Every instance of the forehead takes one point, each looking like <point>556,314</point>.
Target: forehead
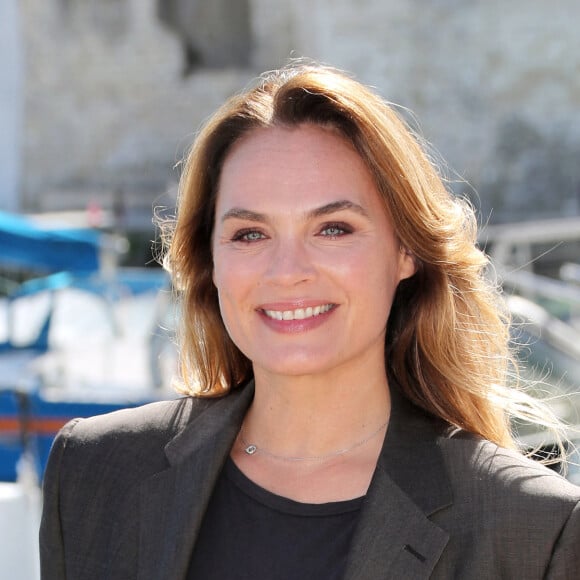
<point>302,166</point>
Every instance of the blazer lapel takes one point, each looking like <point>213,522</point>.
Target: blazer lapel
<point>395,537</point>
<point>173,502</point>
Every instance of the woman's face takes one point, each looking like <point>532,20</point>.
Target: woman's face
<point>306,261</point>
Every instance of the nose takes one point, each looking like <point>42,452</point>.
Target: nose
<point>289,263</point>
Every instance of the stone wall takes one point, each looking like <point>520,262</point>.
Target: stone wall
<point>495,86</point>
<point>112,100</point>
<point>107,107</point>
<point>11,109</point>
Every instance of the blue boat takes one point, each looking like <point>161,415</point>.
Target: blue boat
<point>75,342</point>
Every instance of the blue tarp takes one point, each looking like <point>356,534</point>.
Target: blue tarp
<point>24,245</point>
<point>125,281</point>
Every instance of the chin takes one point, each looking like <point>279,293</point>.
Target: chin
<point>297,365</point>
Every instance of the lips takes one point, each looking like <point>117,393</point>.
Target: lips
<point>298,313</point>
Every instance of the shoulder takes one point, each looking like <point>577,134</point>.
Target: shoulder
<point>508,493</point>
<point>152,424</point>
<point>92,482</point>
<point>153,421</point>
<point>134,437</point>
<point>161,419</point>
<point>145,433</point>
<point>505,470</point>
<point>507,510</point>
<point>477,473</point>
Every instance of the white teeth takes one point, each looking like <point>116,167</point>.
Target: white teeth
<point>299,313</point>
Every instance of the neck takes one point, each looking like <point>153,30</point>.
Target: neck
<point>314,416</point>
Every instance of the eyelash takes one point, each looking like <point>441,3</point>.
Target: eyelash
<point>242,236</point>
<point>344,229</point>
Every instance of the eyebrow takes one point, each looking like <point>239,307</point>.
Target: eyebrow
<point>329,208</point>
<point>335,206</point>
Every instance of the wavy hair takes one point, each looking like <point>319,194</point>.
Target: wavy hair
<point>447,344</point>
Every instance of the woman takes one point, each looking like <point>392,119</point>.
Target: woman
<point>344,359</point>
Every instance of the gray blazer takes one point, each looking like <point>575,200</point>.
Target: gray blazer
<point>125,495</point>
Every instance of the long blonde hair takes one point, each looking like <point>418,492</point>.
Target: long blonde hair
<point>447,335</point>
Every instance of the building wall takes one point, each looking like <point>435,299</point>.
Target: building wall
<point>114,95</point>
<point>10,105</point>
<point>107,107</point>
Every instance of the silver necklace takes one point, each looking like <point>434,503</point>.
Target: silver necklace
<point>252,448</point>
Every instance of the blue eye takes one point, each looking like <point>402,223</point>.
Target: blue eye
<point>248,236</point>
<point>335,230</point>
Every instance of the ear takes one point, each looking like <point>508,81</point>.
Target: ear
<point>407,264</point>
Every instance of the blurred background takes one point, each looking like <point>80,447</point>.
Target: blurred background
<point>99,101</point>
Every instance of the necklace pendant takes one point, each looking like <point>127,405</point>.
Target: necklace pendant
<point>251,449</point>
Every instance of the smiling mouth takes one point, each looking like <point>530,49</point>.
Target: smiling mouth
<point>299,313</point>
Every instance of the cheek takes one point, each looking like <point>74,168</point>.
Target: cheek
<point>229,313</point>
<point>223,287</point>
<point>228,276</point>
<point>232,285</point>
<point>381,280</point>
<point>222,266</point>
<point>220,281</point>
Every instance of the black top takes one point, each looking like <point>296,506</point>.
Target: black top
<point>251,533</point>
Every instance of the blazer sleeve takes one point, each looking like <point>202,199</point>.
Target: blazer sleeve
<point>565,562</point>
<point>52,556</point>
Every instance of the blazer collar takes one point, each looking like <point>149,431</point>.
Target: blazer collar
<point>394,537</point>
<point>173,502</point>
